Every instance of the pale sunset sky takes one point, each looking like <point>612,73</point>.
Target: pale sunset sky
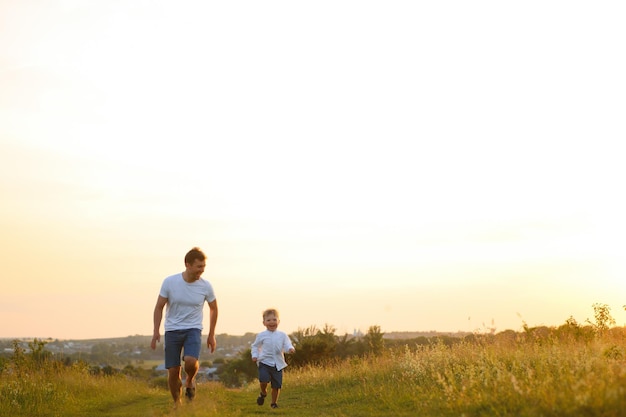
<point>416,165</point>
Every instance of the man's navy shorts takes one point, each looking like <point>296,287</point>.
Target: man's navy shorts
<point>177,341</point>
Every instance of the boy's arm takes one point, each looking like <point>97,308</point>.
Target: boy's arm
<point>288,345</point>
<point>254,348</point>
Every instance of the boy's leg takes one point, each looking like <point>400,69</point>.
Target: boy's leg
<point>277,383</point>
<point>261,398</point>
<point>264,378</point>
<point>275,394</point>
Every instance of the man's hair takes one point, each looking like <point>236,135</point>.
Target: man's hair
<point>270,311</point>
<point>194,254</point>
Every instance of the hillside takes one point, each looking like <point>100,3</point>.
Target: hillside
<point>567,372</point>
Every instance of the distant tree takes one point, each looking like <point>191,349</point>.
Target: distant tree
<point>38,352</point>
<point>104,353</point>
<point>19,354</point>
<point>108,370</point>
<point>313,346</point>
<point>67,361</point>
<point>238,371</point>
<point>506,337</point>
<point>603,318</point>
<point>374,340</point>
<point>130,370</point>
<point>348,346</point>
<point>3,365</point>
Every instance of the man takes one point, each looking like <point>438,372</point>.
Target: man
<point>184,294</point>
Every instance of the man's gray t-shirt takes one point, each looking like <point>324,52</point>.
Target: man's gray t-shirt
<point>185,302</point>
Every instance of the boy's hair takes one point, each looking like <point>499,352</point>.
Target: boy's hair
<point>193,254</point>
<point>270,311</point>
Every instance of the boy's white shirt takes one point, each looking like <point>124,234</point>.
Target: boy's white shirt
<point>269,348</point>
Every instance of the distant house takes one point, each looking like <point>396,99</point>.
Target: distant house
<point>209,374</point>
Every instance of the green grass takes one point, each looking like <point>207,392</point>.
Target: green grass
<point>523,377</point>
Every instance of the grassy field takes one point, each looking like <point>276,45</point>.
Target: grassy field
<point>513,375</point>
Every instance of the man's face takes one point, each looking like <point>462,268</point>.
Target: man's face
<point>195,270</point>
<point>271,322</point>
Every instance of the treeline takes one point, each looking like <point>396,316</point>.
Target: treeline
<point>313,347</point>
<point>318,346</point>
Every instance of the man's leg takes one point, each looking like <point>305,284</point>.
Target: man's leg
<point>191,369</point>
<point>193,344</point>
<point>173,349</point>
<point>175,383</point>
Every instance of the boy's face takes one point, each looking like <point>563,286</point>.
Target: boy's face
<point>271,322</point>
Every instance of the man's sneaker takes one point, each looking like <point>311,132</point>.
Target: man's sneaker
<point>190,393</point>
<point>261,399</point>
<point>274,405</point>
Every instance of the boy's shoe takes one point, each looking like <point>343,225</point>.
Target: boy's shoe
<point>274,405</point>
<point>190,393</point>
<point>261,399</point>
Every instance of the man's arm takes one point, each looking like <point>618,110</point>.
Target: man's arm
<point>158,315</point>
<point>210,341</point>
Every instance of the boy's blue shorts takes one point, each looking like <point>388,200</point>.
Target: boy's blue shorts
<point>177,341</point>
<point>271,374</point>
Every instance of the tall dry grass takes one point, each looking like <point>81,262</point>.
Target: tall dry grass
<point>48,388</point>
<point>529,374</point>
<point>521,375</point>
